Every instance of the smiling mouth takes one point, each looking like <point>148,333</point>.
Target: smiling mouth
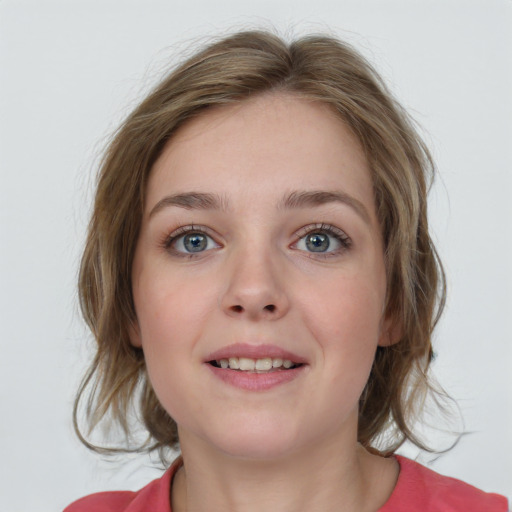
<point>263,365</point>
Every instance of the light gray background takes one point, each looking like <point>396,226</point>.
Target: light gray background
<point>69,72</point>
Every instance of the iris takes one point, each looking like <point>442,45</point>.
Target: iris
<point>317,242</point>
<point>195,242</point>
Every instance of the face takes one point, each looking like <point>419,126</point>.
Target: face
<point>259,278</point>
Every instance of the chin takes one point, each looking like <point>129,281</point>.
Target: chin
<point>256,449</point>
<point>257,440</point>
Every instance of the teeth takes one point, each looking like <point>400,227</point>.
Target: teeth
<point>264,364</point>
<point>277,362</point>
<point>247,364</point>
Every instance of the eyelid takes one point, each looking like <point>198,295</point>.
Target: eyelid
<point>169,238</point>
<point>344,240</point>
<point>329,229</point>
<point>176,234</point>
<point>321,226</point>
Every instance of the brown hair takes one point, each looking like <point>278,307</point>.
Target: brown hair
<point>321,69</point>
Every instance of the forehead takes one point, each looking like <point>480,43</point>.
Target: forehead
<point>271,144</point>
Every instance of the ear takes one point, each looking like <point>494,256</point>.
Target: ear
<point>391,331</point>
<point>134,333</point>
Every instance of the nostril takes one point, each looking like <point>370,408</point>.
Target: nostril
<point>237,308</point>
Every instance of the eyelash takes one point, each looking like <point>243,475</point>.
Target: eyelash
<point>322,228</point>
<point>172,238</point>
<point>328,229</point>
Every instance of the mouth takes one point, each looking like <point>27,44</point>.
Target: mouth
<point>255,367</point>
<point>260,365</point>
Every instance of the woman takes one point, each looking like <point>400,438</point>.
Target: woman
<point>260,278</point>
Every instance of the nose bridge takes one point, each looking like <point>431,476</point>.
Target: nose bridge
<point>254,286</point>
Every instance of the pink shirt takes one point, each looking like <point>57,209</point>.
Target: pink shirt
<point>418,489</point>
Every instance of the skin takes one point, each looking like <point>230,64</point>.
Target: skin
<point>294,446</point>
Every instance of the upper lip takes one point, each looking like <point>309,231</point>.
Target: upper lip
<point>254,352</point>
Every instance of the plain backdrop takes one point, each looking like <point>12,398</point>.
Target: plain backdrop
<point>71,70</point>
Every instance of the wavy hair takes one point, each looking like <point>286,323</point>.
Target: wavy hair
<point>231,70</point>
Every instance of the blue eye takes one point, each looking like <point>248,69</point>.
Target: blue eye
<point>317,242</point>
<point>322,239</point>
<point>191,242</point>
<point>195,242</point>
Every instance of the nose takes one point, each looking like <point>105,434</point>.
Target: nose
<point>255,288</point>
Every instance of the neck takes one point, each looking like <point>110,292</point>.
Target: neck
<point>331,477</point>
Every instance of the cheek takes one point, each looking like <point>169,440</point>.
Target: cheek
<point>346,320</point>
<point>347,305</point>
<point>166,331</point>
<point>169,308</point>
<point>171,316</point>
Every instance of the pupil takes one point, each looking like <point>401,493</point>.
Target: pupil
<point>317,242</point>
<point>194,242</point>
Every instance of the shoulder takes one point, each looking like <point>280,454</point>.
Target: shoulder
<point>103,502</point>
<point>421,489</point>
<point>155,497</point>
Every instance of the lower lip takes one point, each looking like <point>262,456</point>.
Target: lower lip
<point>256,381</point>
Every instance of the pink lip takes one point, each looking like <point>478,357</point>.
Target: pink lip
<point>253,381</point>
<point>254,352</point>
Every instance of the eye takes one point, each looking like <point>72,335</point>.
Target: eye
<point>190,240</point>
<point>323,239</point>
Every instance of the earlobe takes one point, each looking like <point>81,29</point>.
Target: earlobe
<point>134,333</point>
<point>391,332</point>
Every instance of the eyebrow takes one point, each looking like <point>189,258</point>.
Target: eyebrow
<point>293,200</point>
<point>191,201</point>
<point>307,198</point>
